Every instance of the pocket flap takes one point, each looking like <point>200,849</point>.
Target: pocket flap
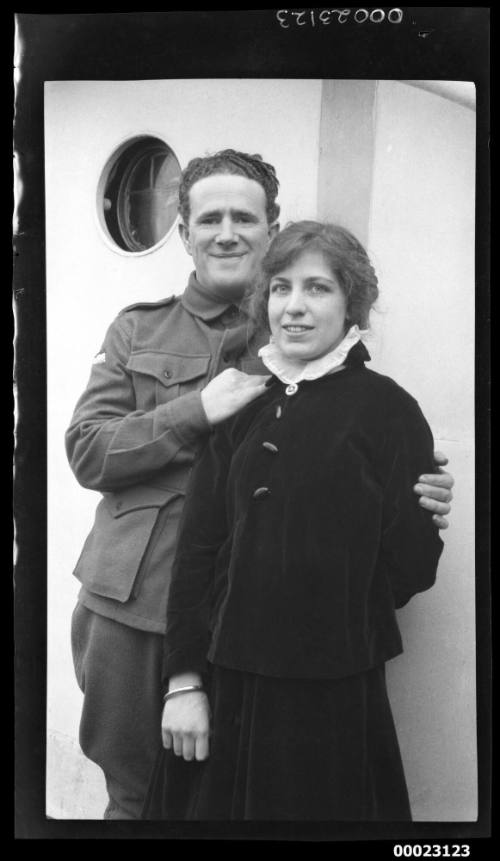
<point>137,497</point>
<point>169,368</point>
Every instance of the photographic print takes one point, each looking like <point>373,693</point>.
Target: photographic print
<point>259,287</point>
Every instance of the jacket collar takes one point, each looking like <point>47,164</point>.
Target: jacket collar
<point>357,355</point>
<point>201,302</point>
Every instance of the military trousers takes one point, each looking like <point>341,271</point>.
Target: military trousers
<point>118,668</point>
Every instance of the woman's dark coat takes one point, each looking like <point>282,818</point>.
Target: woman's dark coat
<point>302,533</point>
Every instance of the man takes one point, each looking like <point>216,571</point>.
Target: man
<point>167,373</point>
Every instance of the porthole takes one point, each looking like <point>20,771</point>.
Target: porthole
<point>138,194</point>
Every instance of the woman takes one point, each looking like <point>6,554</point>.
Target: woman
<point>300,538</point>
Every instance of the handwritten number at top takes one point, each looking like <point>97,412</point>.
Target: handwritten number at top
<point>311,17</point>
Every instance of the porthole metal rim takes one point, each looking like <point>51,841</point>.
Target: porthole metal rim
<point>109,163</point>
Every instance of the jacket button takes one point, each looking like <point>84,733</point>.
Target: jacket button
<point>167,374</point>
<point>270,447</point>
<point>278,412</point>
<point>261,491</point>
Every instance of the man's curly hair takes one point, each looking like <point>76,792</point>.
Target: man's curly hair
<point>230,161</point>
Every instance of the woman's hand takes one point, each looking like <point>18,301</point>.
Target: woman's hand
<point>435,491</point>
<point>185,725</point>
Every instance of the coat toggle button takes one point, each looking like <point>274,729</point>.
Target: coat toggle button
<point>271,447</point>
<point>291,389</point>
<point>261,491</point>
<point>167,374</point>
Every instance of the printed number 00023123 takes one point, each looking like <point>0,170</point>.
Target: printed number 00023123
<point>434,850</point>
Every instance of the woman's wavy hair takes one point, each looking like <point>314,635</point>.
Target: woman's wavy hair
<point>230,161</point>
<point>348,260</point>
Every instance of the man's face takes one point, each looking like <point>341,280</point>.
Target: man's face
<point>228,233</point>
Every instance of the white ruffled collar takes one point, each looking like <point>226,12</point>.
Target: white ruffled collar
<point>292,371</point>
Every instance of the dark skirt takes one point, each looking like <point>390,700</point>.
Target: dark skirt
<point>288,749</point>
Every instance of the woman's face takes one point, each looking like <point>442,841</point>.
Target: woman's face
<point>307,308</point>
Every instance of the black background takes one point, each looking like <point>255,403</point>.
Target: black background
<point>433,43</point>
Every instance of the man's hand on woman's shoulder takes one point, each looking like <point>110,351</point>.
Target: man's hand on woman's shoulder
<point>229,392</point>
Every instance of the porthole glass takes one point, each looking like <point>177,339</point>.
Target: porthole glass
<point>140,194</point>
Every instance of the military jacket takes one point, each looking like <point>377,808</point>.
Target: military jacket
<point>134,436</point>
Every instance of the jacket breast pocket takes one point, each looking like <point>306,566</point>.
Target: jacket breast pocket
<point>115,548</point>
<point>160,377</point>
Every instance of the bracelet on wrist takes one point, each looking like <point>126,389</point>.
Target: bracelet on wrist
<point>184,690</point>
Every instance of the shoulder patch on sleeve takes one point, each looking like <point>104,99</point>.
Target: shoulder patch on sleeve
<point>151,305</point>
